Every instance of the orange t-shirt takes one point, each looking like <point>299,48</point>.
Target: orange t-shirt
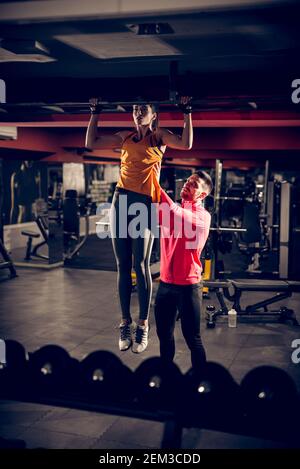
<point>140,166</point>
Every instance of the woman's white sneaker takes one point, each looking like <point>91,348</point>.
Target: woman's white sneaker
<point>141,339</point>
<point>127,330</point>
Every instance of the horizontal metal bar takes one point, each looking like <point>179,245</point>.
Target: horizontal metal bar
<point>229,229</point>
<point>195,102</point>
<point>230,198</point>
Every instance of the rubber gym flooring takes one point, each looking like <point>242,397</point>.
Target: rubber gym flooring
<point>78,309</point>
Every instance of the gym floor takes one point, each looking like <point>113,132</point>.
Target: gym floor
<point>78,309</point>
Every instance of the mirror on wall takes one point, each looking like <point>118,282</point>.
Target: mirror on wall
<point>28,230</point>
<point>1,200</point>
<point>25,190</point>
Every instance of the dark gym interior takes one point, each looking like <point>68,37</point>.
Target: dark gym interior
<point>238,60</point>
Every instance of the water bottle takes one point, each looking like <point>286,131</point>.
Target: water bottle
<point>232,317</point>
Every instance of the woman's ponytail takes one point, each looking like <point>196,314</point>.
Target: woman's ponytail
<point>155,123</point>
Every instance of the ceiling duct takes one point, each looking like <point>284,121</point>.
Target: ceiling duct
<point>8,133</point>
<point>118,45</point>
<point>24,50</point>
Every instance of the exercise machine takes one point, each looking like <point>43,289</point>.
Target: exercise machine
<point>283,224</point>
<point>71,225</point>
<point>32,252</point>
<point>7,262</point>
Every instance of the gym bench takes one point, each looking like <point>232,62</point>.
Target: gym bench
<point>282,290</point>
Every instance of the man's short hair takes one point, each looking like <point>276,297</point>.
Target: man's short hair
<point>205,177</point>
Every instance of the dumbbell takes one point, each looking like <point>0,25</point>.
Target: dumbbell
<point>51,370</point>
<point>269,396</point>
<point>210,395</point>
<point>158,385</point>
<point>103,377</point>
<point>14,367</point>
<point>210,316</point>
<point>15,354</point>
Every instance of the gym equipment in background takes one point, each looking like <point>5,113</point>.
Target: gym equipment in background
<point>7,262</point>
<point>71,225</point>
<point>285,212</point>
<point>238,209</point>
<point>258,311</point>
<point>269,213</point>
<point>31,252</point>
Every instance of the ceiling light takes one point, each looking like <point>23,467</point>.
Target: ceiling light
<point>147,29</point>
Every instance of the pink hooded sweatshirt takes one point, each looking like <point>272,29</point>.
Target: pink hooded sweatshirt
<point>184,231</point>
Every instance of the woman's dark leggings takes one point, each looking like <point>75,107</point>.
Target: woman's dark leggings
<point>186,299</point>
<point>126,246</point>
